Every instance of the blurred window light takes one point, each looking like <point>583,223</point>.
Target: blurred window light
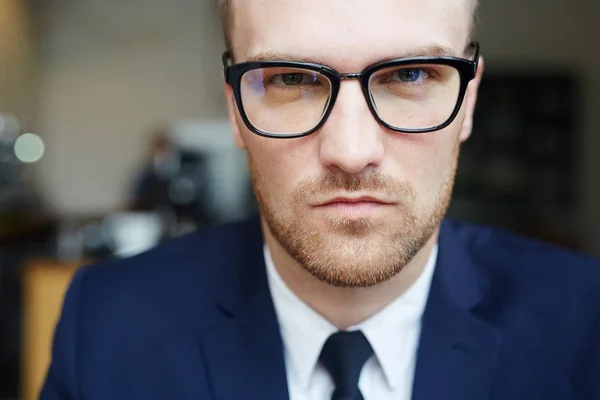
<point>29,148</point>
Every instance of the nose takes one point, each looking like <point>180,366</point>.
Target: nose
<point>351,140</point>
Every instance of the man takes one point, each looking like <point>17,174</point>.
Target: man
<point>350,285</point>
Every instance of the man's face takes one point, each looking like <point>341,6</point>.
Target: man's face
<point>354,202</point>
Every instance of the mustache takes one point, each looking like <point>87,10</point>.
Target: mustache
<point>372,181</point>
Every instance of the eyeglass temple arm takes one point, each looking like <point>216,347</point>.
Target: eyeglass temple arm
<point>473,49</point>
<point>226,58</point>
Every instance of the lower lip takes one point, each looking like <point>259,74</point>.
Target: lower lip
<point>359,209</point>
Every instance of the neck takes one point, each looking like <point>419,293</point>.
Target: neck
<point>345,307</point>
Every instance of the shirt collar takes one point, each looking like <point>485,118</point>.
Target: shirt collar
<point>304,331</point>
<point>394,331</point>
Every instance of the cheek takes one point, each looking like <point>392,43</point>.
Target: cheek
<point>426,161</point>
<point>279,165</point>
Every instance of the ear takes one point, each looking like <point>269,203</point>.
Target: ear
<point>470,101</point>
<point>233,117</point>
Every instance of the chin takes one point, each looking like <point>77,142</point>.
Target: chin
<point>361,228</point>
<point>354,263</point>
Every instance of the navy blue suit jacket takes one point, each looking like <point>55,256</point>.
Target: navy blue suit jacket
<point>507,319</point>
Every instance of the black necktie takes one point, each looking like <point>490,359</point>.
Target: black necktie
<point>344,355</point>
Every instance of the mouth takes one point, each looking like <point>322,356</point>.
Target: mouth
<point>355,207</point>
<point>342,200</point>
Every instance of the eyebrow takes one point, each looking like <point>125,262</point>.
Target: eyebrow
<point>275,56</point>
<point>434,50</point>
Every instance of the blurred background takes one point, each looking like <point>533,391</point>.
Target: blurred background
<point>113,138</point>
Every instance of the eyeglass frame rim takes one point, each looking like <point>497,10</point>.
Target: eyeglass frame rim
<point>467,69</point>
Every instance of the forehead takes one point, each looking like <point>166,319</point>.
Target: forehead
<point>348,33</point>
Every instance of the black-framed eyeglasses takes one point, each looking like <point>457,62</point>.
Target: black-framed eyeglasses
<point>284,99</point>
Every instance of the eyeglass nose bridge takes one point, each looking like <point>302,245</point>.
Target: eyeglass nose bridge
<point>344,77</point>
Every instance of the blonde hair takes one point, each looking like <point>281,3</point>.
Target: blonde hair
<point>226,15</point>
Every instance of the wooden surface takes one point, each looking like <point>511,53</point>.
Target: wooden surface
<point>45,283</point>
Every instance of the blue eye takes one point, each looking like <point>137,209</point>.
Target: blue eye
<point>410,75</point>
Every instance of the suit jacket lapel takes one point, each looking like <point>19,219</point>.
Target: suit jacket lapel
<point>458,352</point>
<point>243,346</point>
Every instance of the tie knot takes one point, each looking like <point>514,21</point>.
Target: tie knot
<point>344,355</point>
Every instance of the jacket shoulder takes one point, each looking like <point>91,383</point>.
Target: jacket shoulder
<point>543,297</point>
<point>183,271</point>
<point>523,257</point>
<point>533,286</point>
<point>529,278</point>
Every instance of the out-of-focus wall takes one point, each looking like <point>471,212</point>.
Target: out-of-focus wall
<point>556,33</point>
<point>111,70</point>
<point>102,88</point>
<point>17,61</point>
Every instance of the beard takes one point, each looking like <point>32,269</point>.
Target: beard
<point>351,252</point>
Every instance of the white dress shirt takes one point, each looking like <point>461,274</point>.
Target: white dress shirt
<point>393,333</point>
